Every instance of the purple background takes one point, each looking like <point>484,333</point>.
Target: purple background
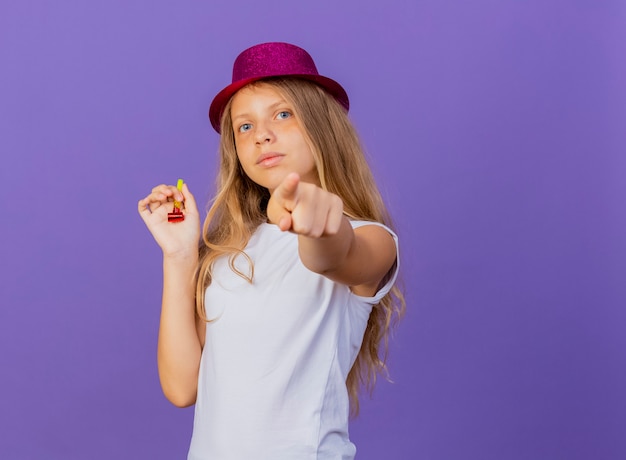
<point>496,130</point>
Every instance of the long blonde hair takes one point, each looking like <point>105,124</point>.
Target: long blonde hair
<point>239,208</point>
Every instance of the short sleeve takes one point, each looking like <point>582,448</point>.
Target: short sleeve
<point>383,291</point>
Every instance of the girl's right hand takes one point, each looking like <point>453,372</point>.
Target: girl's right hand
<point>174,238</point>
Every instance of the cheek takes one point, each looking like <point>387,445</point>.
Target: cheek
<point>240,157</point>
<point>242,149</point>
<point>243,163</point>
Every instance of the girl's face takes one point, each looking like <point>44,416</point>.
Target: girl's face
<point>269,140</point>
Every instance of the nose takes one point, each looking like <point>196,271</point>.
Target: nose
<point>264,134</point>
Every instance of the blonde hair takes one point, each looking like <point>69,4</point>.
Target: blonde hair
<point>239,208</point>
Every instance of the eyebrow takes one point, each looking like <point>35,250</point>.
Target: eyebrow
<point>269,109</point>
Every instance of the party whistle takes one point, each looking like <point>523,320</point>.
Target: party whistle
<point>176,215</point>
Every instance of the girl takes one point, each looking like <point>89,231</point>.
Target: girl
<point>274,323</point>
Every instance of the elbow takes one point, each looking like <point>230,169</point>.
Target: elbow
<point>179,398</point>
<point>179,387</point>
<point>181,404</point>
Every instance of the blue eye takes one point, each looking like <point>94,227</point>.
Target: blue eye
<point>245,127</point>
<point>283,115</point>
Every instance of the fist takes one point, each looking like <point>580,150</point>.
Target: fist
<point>305,209</point>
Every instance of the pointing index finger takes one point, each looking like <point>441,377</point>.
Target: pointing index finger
<point>288,188</point>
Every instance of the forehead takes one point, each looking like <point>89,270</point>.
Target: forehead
<point>257,93</point>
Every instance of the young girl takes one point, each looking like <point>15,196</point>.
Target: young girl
<point>271,327</point>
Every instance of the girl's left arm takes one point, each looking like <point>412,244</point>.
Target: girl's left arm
<point>328,245</point>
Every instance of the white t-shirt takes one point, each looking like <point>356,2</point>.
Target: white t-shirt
<point>276,357</point>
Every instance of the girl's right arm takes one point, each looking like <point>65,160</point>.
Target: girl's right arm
<point>181,334</point>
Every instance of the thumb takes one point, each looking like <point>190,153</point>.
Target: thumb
<point>190,201</point>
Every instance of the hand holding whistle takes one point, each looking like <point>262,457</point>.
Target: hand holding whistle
<point>177,215</point>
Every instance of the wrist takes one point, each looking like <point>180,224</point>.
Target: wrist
<point>181,257</point>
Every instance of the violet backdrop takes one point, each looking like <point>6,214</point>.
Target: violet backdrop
<point>496,130</point>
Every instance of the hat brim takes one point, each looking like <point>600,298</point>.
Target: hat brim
<point>216,109</point>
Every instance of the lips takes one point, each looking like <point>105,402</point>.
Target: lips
<point>269,159</point>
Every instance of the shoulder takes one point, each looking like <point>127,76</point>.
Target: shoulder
<point>375,254</point>
<point>377,227</point>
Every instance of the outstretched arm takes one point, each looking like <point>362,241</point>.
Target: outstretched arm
<point>327,243</point>
<point>180,334</point>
